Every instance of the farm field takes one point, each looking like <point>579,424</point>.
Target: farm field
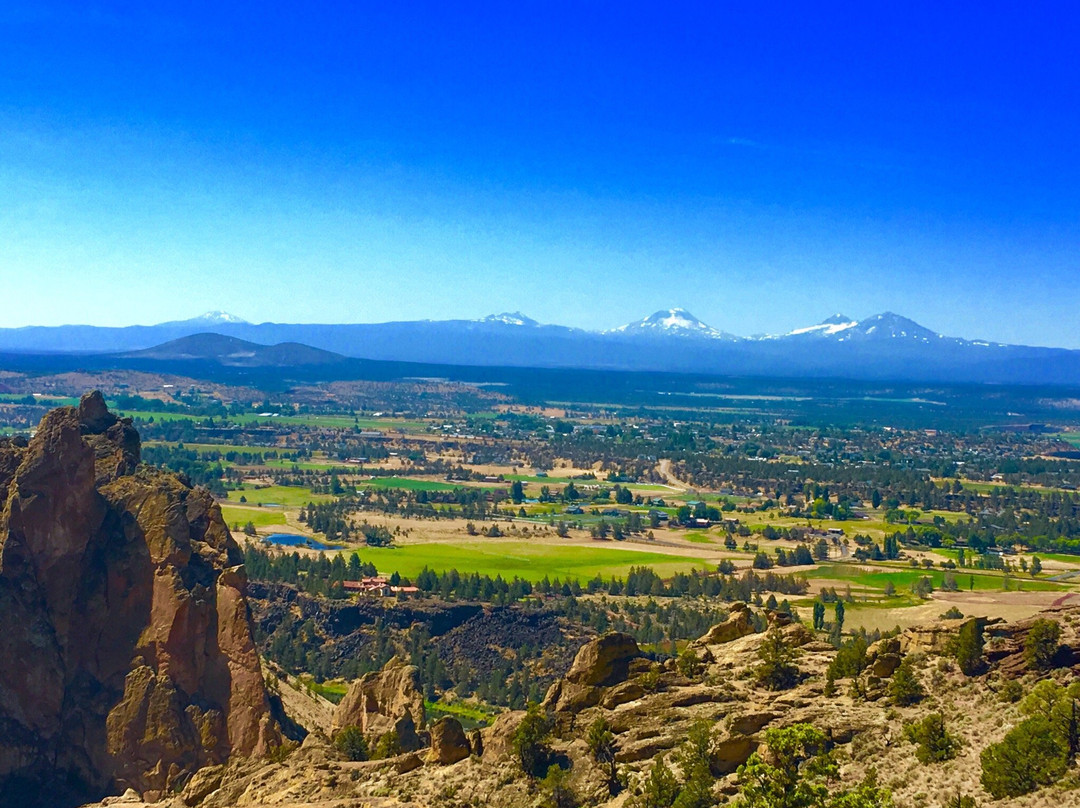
<point>260,517</point>
<point>280,496</point>
<point>528,560</point>
<point>408,484</point>
<point>876,577</point>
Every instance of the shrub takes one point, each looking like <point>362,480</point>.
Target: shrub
<point>1041,643</point>
<point>1029,756</point>
<point>661,788</point>
<point>935,744</point>
<point>968,647</point>
<point>777,670</point>
<point>695,760</point>
<point>350,741</point>
<point>952,613</point>
<point>904,688</point>
<point>388,745</point>
<point>688,663</point>
<point>1011,691</point>
<point>601,742</point>
<point>530,741</point>
<point>556,786</point>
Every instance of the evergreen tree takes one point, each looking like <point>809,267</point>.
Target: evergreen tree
<point>968,647</point>
<point>904,687</point>
<point>1041,643</point>
<point>777,670</point>
<point>661,788</point>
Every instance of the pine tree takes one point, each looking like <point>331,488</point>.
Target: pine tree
<point>904,688</point>
<point>968,647</point>
<point>777,670</point>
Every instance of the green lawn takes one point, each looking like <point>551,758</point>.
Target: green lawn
<point>902,579</point>
<point>260,517</point>
<point>278,496</point>
<point>408,484</point>
<point>698,537</point>
<point>523,559</point>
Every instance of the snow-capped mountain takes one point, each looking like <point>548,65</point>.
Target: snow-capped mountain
<point>670,322</point>
<point>209,318</point>
<point>828,327</point>
<point>884,346</point>
<point>887,325</point>
<point>510,318</point>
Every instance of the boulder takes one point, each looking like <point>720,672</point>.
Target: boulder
<point>622,693</point>
<point>123,596</point>
<point>498,740</point>
<point>730,753</point>
<point>935,637</point>
<point>448,742</point>
<point>885,665</point>
<point>601,663</point>
<point>385,701</point>
<point>749,723</point>
<point>738,624</point>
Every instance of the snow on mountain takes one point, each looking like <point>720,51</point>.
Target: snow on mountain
<point>212,318</point>
<point>878,327</point>
<point>671,322</point>
<point>893,326</point>
<point>836,324</point>
<point>510,318</point>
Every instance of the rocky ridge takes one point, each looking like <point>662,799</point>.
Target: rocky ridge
<point>650,707</point>
<point>122,600</point>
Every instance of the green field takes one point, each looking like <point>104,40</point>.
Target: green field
<point>260,517</point>
<point>697,537</point>
<point>278,496</point>
<point>902,579</point>
<point>324,421</point>
<point>523,559</point>
<point>408,484</point>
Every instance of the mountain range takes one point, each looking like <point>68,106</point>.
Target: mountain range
<point>882,346</point>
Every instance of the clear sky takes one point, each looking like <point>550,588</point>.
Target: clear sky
<point>586,163</point>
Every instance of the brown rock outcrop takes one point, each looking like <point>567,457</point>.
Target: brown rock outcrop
<point>600,663</point>
<point>384,701</point>
<point>122,599</point>
<point>935,637</point>
<point>448,742</point>
<point>498,739</point>
<point>738,624</point>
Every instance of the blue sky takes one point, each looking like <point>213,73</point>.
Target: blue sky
<point>761,165</point>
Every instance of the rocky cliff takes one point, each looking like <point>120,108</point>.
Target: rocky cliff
<point>126,642</point>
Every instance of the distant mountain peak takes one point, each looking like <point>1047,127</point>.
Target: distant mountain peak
<point>828,327</point>
<point>211,318</point>
<point>671,322</point>
<point>886,325</point>
<point>510,318</point>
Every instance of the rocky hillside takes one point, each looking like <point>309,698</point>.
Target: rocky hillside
<point>126,641</point>
<point>857,722</point>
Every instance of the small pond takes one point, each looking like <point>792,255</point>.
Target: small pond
<point>294,540</point>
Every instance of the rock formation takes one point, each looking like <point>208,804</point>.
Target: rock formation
<point>601,663</point>
<point>384,701</point>
<point>448,742</point>
<point>738,624</point>
<point>127,644</point>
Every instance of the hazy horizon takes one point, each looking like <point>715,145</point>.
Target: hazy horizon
<point>586,166</point>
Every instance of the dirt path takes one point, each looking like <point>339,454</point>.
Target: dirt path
<point>664,469</point>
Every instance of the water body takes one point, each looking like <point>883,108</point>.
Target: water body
<point>294,540</point>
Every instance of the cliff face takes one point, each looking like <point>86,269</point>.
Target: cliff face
<point>126,651</point>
